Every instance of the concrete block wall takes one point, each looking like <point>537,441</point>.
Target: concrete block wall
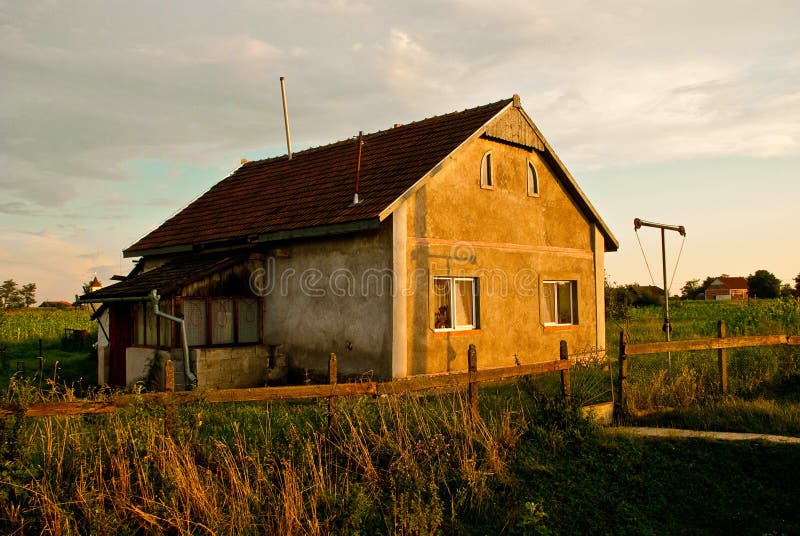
<point>230,367</point>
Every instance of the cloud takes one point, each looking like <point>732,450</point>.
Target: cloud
<point>90,88</point>
<point>229,49</point>
<point>57,265</point>
<point>15,208</point>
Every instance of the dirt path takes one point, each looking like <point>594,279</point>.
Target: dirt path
<point>677,433</point>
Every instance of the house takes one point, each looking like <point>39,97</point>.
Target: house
<point>395,250</point>
<point>727,288</point>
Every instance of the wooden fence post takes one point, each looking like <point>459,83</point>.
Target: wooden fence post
<point>472,362</point>
<point>623,375</point>
<point>332,378</point>
<point>563,356</point>
<point>169,387</point>
<point>722,360</point>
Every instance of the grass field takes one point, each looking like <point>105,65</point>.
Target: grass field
<point>397,465</point>
<point>416,465</point>
<point>64,362</point>
<point>684,391</point>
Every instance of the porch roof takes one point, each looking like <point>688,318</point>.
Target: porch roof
<point>168,278</point>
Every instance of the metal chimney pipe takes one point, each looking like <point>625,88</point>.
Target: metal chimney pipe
<point>286,119</point>
<point>358,166</point>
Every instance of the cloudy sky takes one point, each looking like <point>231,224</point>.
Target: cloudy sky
<point>115,115</point>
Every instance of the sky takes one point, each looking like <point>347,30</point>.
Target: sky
<point>115,115</point>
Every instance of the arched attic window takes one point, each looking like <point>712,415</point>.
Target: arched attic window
<point>487,177</point>
<point>533,181</point>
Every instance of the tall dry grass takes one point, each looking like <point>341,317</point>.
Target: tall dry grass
<point>396,465</point>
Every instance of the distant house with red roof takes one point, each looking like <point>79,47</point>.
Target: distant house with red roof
<point>395,250</point>
<point>727,288</point>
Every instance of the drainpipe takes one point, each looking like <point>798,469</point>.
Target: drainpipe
<point>191,376</point>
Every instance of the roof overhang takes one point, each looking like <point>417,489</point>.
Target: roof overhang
<point>277,236</point>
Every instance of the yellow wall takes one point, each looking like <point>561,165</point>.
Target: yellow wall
<point>512,242</point>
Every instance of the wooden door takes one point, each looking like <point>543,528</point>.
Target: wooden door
<point>119,327</point>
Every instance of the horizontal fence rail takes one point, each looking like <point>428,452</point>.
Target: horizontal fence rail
<point>721,343</point>
<point>170,398</point>
<point>708,344</point>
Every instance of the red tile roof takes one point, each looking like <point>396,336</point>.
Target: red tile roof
<point>316,186</point>
<point>169,277</point>
<point>734,282</point>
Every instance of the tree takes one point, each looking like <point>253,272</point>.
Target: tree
<point>763,284</point>
<point>28,294</point>
<point>797,286</point>
<point>786,291</point>
<point>9,293</point>
<point>12,297</point>
<point>691,289</point>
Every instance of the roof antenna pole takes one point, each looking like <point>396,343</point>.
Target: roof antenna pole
<point>286,119</point>
<point>667,327</point>
<point>358,165</point>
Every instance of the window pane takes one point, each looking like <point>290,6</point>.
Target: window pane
<point>247,311</point>
<point>564,302</point>
<point>464,309</point>
<point>533,181</point>
<point>165,329</point>
<point>221,321</point>
<point>549,303</point>
<point>150,325</point>
<point>194,313</point>
<point>486,170</point>
<point>138,323</point>
<point>442,303</point>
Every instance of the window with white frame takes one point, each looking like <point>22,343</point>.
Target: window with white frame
<point>487,178</point>
<point>455,303</point>
<point>560,303</point>
<point>533,181</point>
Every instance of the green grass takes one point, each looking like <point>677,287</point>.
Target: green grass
<point>764,382</point>
<point>416,464</point>
<point>76,368</point>
<point>64,363</point>
<point>698,319</point>
<point>31,324</point>
<point>758,416</point>
<point>628,485</point>
<point>395,465</point>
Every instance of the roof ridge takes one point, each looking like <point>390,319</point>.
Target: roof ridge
<point>369,134</point>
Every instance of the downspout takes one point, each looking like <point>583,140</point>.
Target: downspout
<point>191,376</point>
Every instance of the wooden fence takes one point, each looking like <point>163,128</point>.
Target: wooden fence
<point>720,343</point>
<point>330,391</point>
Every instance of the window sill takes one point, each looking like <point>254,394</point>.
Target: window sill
<point>567,327</point>
<point>455,332</point>
<point>487,187</point>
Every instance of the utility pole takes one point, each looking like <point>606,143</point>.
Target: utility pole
<point>638,224</point>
